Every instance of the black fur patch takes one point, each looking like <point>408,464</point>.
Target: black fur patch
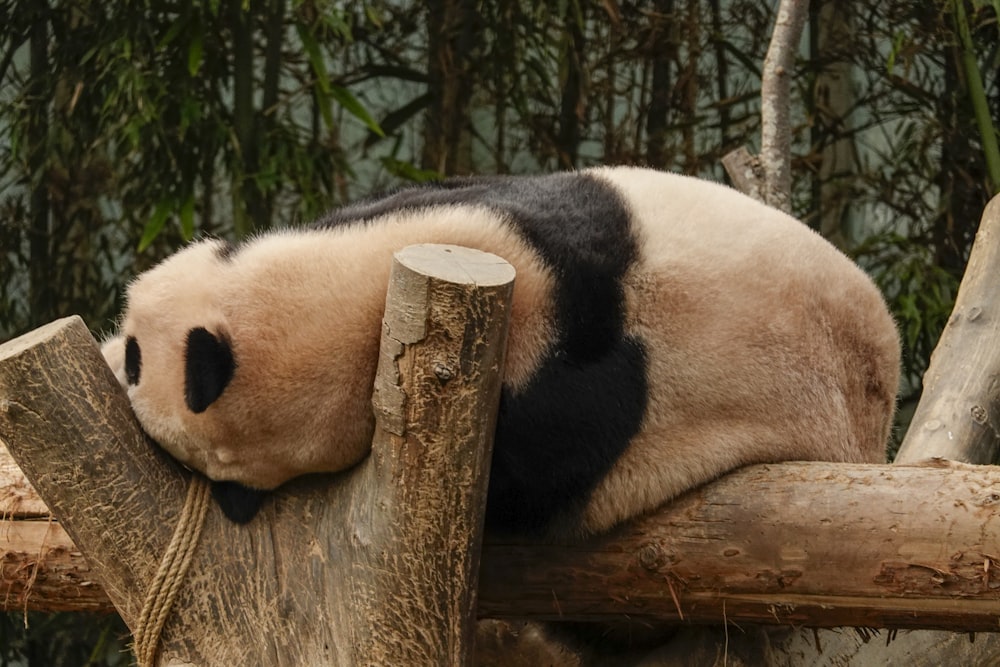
<point>577,223</point>
<point>561,435</point>
<point>225,250</point>
<point>208,368</point>
<point>239,503</point>
<point>133,360</point>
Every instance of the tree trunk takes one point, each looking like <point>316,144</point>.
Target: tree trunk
<point>573,100</point>
<point>775,104</point>
<point>833,102</point>
<point>42,297</point>
<point>360,571</point>
<point>808,544</point>
<point>249,206</point>
<point>663,53</point>
<point>958,416</point>
<point>768,177</point>
<point>451,26</point>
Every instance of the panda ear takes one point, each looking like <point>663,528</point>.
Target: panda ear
<point>208,368</point>
<point>239,503</point>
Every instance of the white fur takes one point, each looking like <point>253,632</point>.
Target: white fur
<point>764,342</point>
<point>303,312</point>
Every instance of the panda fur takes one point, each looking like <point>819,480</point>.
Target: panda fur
<point>664,330</point>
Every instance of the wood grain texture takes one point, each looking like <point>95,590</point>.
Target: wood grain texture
<point>418,542</point>
<point>958,416</point>
<point>69,426</point>
<point>840,545</point>
<point>812,544</point>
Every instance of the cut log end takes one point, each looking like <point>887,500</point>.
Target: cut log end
<point>456,264</point>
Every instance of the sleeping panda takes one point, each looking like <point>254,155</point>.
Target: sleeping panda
<point>664,330</point>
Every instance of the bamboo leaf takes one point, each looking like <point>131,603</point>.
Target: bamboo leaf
<point>195,52</point>
<point>977,97</point>
<point>354,107</point>
<point>408,171</point>
<point>187,218</point>
<point>316,61</point>
<point>175,29</point>
<point>323,102</point>
<point>155,224</point>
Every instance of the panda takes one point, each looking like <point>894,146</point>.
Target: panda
<point>664,330</point>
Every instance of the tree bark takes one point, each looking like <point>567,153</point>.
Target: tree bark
<point>248,201</point>
<point>451,34</point>
<point>336,572</point>
<point>745,171</point>
<point>773,183</point>
<point>573,99</point>
<point>40,567</point>
<point>41,289</point>
<point>775,106</point>
<point>663,53</point>
<point>437,391</point>
<point>834,44</point>
<point>806,543</point>
<point>958,416</point>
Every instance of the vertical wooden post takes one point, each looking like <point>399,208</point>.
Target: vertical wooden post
<point>436,395</point>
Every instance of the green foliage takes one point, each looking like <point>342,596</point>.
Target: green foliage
<point>140,126</point>
<point>920,294</point>
<point>63,640</point>
<point>976,93</point>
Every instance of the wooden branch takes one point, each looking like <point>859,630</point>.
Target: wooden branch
<point>40,567</point>
<point>768,177</point>
<point>745,171</point>
<point>71,429</point>
<point>331,571</point>
<point>958,416</point>
<point>775,106</point>
<point>807,544</point>
<point>837,545</point>
<point>42,570</point>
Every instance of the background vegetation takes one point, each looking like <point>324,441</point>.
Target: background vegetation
<point>129,127</point>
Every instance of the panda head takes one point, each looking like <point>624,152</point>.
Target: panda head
<point>198,381</point>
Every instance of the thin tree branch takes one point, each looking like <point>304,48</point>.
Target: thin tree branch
<point>775,112</point>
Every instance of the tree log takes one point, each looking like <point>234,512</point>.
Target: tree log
<point>807,543</point>
<point>799,543</point>
<point>745,171</point>
<point>357,568</point>
<point>812,544</point>
<point>958,416</point>
<point>437,390</point>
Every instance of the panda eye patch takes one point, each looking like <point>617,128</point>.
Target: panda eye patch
<point>208,368</point>
<point>133,360</point>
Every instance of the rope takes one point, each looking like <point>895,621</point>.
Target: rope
<point>173,568</point>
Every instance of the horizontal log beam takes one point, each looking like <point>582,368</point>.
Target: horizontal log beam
<point>811,544</point>
<point>808,544</point>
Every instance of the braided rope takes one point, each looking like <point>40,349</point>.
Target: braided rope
<point>171,573</point>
